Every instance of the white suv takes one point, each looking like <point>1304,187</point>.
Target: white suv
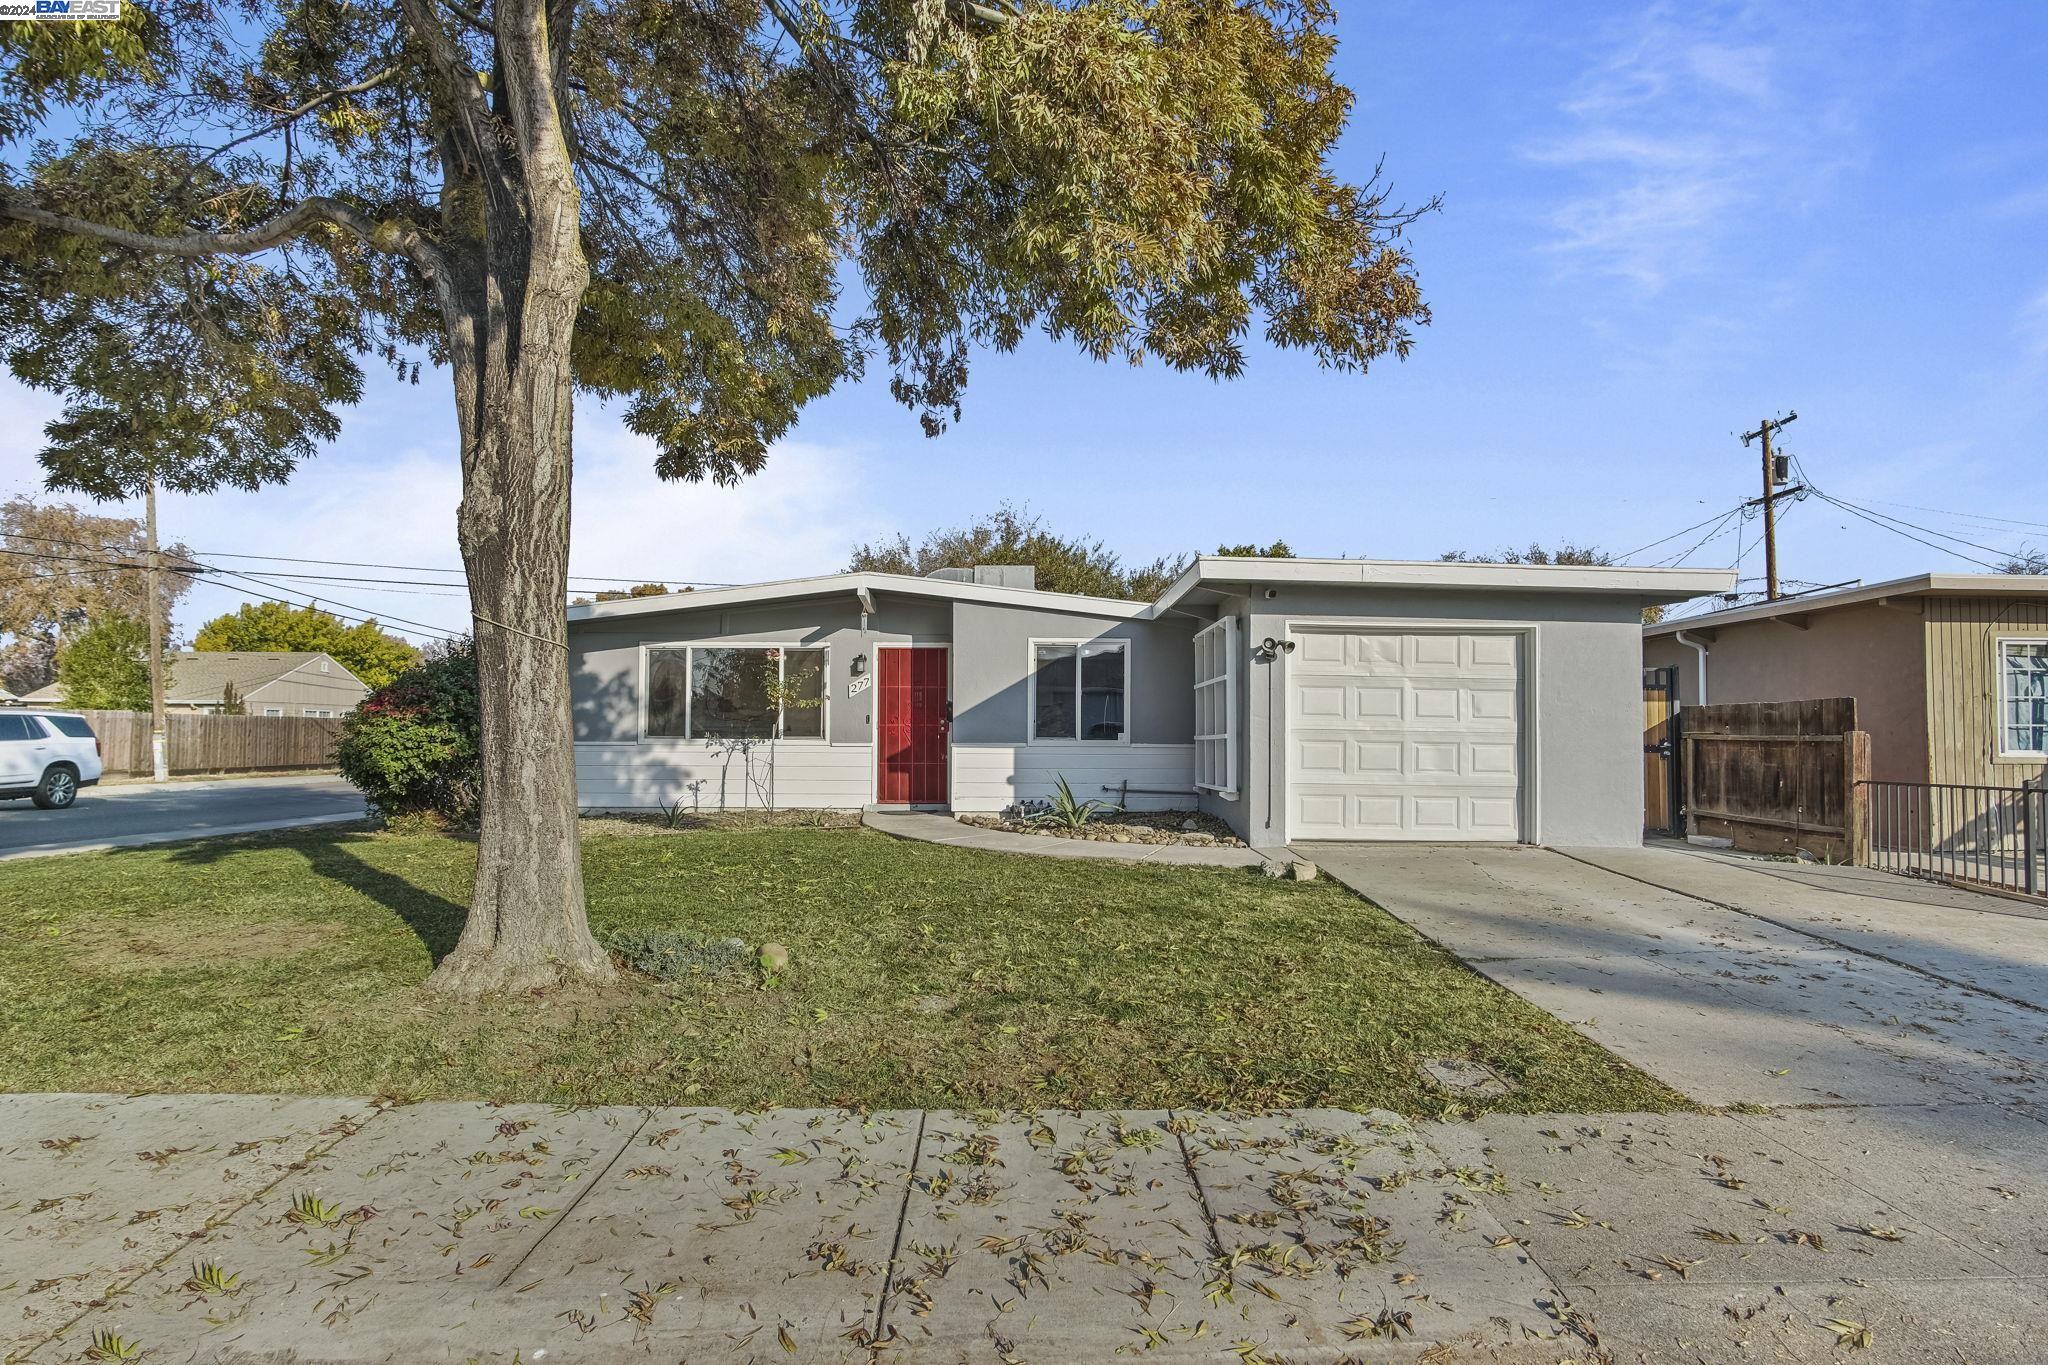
<point>47,756</point>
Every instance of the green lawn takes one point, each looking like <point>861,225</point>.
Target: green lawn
<point>923,976</point>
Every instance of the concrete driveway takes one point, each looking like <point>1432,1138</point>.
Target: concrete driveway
<point>148,813</point>
<point>1878,1049</point>
<point>1776,991</point>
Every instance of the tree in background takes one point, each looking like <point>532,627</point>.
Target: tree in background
<point>105,666</point>
<point>659,203</point>
<point>1014,534</point>
<point>231,703</point>
<point>60,567</point>
<point>1155,578</point>
<point>2027,561</point>
<point>366,650</point>
<point>1564,553</point>
<point>637,590</point>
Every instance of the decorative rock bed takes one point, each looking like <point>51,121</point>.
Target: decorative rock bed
<point>1121,827</point>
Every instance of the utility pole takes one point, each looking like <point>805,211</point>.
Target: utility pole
<point>1771,481</point>
<point>159,758</point>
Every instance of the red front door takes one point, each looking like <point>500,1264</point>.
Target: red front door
<point>911,722</point>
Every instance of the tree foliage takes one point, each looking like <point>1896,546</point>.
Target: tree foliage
<point>1564,552</point>
<point>105,666</point>
<point>283,189</point>
<point>2027,561</point>
<point>366,649</point>
<point>657,204</point>
<point>619,595</point>
<point>412,745</point>
<point>1014,534</point>
<point>63,567</point>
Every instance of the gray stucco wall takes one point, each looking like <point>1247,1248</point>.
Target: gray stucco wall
<point>1587,678</point>
<point>991,655</point>
<point>604,655</point>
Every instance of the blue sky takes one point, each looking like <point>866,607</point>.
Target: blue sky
<point>1660,224</point>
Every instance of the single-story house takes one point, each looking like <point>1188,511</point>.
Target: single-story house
<point>1949,671</point>
<point>1292,698</point>
<point>286,683</point>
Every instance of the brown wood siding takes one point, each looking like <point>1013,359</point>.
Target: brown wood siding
<point>1962,686</point>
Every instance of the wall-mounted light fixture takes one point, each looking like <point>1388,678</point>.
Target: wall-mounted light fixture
<point>1269,647</point>
<point>860,664</point>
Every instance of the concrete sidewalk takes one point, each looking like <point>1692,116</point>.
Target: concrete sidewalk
<point>238,1228</point>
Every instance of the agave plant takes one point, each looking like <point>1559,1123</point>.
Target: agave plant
<point>1069,811</point>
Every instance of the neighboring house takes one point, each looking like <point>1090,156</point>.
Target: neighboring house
<point>1292,698</point>
<point>280,684</point>
<point>1949,671</point>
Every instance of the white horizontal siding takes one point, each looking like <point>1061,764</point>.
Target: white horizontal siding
<point>657,773</point>
<point>988,777</point>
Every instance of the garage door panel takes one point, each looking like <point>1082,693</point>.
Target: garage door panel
<point>1321,648</point>
<point>1495,652</point>
<point>1426,741</point>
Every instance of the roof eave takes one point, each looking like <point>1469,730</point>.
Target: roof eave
<point>832,585</point>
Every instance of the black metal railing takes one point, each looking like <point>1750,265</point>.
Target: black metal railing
<point>1952,831</point>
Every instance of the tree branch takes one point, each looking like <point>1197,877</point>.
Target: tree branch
<point>401,239</point>
<point>292,116</point>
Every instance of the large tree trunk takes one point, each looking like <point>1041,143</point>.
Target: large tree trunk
<point>526,925</point>
<point>511,315</point>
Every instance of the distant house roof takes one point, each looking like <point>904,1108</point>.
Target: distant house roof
<point>199,677</point>
<point>1918,585</point>
<point>203,675</point>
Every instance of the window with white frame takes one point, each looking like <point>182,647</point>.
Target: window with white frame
<point>1077,689</point>
<point>2023,698</point>
<point>1216,707</point>
<point>736,692</point>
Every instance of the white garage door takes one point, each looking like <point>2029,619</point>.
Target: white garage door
<point>1397,735</point>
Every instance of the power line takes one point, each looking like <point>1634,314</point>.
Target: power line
<point>215,573</point>
<point>362,564</point>
<point>1872,519</point>
<point>442,631</point>
<point>1973,517</point>
<point>427,568</point>
<point>1675,535</point>
<point>1894,525</point>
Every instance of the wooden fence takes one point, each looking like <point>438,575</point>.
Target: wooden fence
<point>214,744</point>
<point>1779,776</point>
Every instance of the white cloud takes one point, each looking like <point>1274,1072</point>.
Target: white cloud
<point>369,502</point>
<point>1692,121</point>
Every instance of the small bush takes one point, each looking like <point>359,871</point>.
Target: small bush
<point>667,955</point>
<point>412,746</point>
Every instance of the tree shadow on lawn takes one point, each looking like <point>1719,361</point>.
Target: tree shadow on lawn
<point>436,919</point>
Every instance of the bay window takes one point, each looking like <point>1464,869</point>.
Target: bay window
<point>1078,690</point>
<point>736,692</point>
